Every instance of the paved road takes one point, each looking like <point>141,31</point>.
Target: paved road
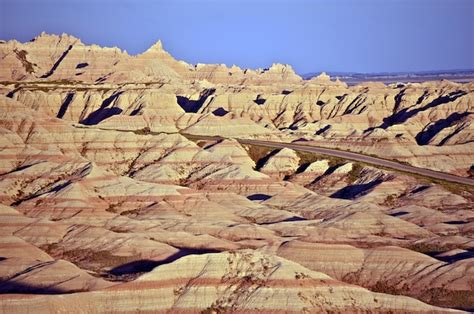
<point>364,158</point>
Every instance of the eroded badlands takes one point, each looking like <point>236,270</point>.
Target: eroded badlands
<point>113,198</point>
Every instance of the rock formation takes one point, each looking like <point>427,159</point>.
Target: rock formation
<point>124,187</point>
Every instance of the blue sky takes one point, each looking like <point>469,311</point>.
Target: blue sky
<point>331,35</point>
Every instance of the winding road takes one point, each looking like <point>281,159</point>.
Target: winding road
<point>349,156</point>
<point>364,158</point>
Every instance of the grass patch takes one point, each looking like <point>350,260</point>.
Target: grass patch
<point>354,174</point>
<point>87,259</point>
<point>390,201</point>
<point>455,188</point>
<point>307,158</point>
<point>431,248</point>
<point>257,153</point>
<point>466,191</point>
<point>260,154</point>
<point>196,138</point>
<point>459,299</point>
<point>47,86</point>
<point>145,131</point>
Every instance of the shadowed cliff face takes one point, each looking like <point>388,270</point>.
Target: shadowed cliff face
<point>405,114</point>
<point>431,131</point>
<point>102,194</point>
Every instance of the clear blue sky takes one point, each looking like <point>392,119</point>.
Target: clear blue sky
<point>331,35</point>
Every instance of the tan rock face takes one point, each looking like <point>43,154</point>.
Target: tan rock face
<point>282,163</point>
<point>106,190</point>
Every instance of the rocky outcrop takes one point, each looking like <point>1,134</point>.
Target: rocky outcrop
<point>284,162</point>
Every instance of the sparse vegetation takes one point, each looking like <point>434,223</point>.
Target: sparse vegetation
<point>48,86</point>
<point>257,153</point>
<point>307,157</point>
<point>145,131</point>
<point>443,297</point>
<point>354,174</point>
<point>384,287</point>
<point>113,208</point>
<point>299,275</point>
<point>131,213</point>
<point>390,201</point>
<point>459,189</point>
<point>215,309</point>
<point>21,54</point>
<point>87,259</point>
<point>431,248</point>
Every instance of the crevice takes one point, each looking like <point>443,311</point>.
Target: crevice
<point>56,64</point>
<point>194,105</point>
<point>425,136</point>
<point>65,105</point>
<point>103,112</point>
<point>351,192</point>
<point>405,114</point>
<point>447,138</point>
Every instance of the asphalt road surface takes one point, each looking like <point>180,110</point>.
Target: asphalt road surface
<point>364,158</point>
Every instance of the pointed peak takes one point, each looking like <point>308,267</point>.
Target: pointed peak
<point>156,47</point>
